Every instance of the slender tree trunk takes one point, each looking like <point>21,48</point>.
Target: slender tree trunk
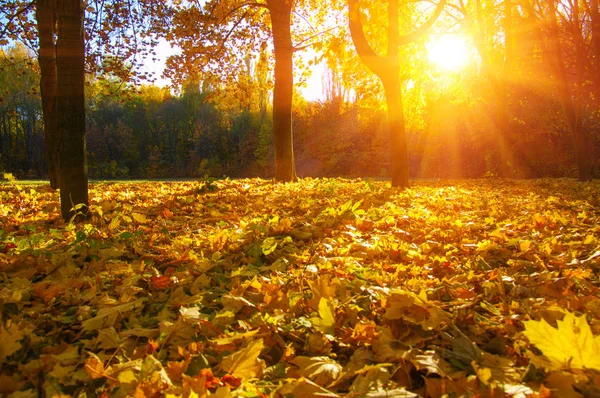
<point>388,70</point>
<point>280,11</point>
<point>497,79</point>
<point>571,102</point>
<point>582,139</point>
<point>70,108</point>
<point>2,130</point>
<point>595,16</point>
<point>46,22</point>
<point>393,97</point>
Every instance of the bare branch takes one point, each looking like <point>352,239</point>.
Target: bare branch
<point>305,20</point>
<point>26,8</point>
<point>302,47</point>
<point>234,9</point>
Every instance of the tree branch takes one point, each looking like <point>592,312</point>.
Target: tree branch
<point>228,34</point>
<point>15,15</point>
<point>302,47</point>
<point>409,38</point>
<point>234,9</point>
<point>365,52</point>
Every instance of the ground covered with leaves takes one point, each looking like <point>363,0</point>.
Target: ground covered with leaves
<point>325,288</point>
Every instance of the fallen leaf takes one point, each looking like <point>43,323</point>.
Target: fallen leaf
<point>571,345</point>
<point>245,364</point>
<point>326,320</point>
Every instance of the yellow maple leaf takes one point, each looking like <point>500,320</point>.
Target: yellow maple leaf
<point>9,341</point>
<point>572,344</point>
<point>326,320</point>
<point>415,308</point>
<point>245,363</point>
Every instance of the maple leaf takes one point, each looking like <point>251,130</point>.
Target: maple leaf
<point>570,345</point>
<point>107,317</point>
<point>9,341</point>
<point>321,370</point>
<point>415,308</point>
<point>326,320</point>
<point>245,364</point>
<point>305,388</point>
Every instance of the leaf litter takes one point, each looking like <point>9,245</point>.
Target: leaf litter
<point>323,287</point>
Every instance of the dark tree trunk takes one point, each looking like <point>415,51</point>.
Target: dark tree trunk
<point>46,22</point>
<point>595,16</point>
<point>571,101</point>
<point>582,139</point>
<point>280,12</point>
<point>70,108</point>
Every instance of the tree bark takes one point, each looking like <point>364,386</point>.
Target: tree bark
<point>70,109</point>
<point>387,68</point>
<point>280,12</point>
<point>582,139</point>
<point>571,102</point>
<point>46,22</point>
<point>398,144</point>
<point>594,9</point>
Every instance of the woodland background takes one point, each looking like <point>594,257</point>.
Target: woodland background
<point>199,129</point>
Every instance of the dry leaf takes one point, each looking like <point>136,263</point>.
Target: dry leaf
<point>571,345</point>
<point>245,363</point>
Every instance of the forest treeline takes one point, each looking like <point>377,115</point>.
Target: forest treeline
<point>148,132</point>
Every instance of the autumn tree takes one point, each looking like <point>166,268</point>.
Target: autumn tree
<point>117,33</point>
<point>567,36</point>
<point>21,140</point>
<point>484,20</point>
<point>387,68</point>
<point>62,58</point>
<point>215,36</point>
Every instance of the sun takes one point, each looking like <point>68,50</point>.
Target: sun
<point>450,52</point>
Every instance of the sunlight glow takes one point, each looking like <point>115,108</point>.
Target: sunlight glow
<point>313,91</point>
<point>450,52</point>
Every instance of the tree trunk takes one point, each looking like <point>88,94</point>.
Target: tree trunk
<point>398,145</point>
<point>582,141</point>
<point>280,11</point>
<point>497,77</point>
<point>595,26</point>
<point>70,109</point>
<point>571,101</point>
<point>46,21</point>
<point>387,68</point>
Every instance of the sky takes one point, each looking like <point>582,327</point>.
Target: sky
<point>312,92</point>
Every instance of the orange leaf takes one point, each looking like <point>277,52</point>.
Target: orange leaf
<point>160,282</point>
<point>231,381</point>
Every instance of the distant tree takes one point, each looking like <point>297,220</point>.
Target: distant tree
<point>387,68</point>
<point>215,36</point>
<point>20,112</point>
<point>483,21</point>
<point>567,35</point>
